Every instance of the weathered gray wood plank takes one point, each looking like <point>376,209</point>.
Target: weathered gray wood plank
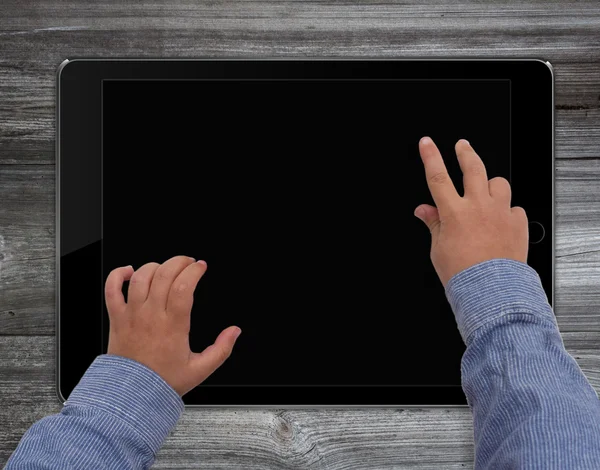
<point>37,36</point>
<point>257,439</point>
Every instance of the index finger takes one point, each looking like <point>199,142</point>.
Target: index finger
<point>438,180</point>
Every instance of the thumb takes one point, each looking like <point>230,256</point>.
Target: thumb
<point>205,363</point>
<point>430,216</point>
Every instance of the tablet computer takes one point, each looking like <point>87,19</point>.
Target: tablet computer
<point>296,180</point>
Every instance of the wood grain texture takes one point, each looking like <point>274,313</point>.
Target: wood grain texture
<point>36,35</point>
<point>258,439</point>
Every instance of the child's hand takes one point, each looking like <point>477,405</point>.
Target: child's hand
<point>476,227</point>
<point>153,326</point>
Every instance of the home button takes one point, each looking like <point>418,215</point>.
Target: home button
<point>536,232</point>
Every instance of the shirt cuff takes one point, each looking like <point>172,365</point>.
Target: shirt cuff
<point>133,393</point>
<point>489,290</point>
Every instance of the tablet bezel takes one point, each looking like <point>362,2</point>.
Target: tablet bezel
<point>78,199</point>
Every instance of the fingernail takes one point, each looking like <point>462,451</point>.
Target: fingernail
<point>129,266</point>
<point>419,212</point>
<point>237,333</point>
<point>425,141</point>
<point>193,259</point>
<point>201,261</point>
<point>467,142</point>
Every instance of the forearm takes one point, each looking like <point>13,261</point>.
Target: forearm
<point>531,403</point>
<point>116,418</point>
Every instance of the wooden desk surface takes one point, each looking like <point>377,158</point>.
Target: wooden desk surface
<point>36,35</point>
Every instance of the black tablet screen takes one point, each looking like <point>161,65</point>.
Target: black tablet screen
<point>300,196</point>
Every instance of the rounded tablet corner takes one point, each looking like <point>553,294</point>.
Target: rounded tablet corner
<point>548,66</point>
<point>62,66</point>
<point>537,232</point>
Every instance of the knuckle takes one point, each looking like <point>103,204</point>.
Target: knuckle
<point>162,274</point>
<point>439,178</point>
<point>180,288</point>
<point>500,182</point>
<point>138,278</point>
<point>150,265</point>
<point>519,212</point>
<point>114,272</point>
<point>110,292</point>
<point>476,169</point>
<point>143,275</point>
<point>181,259</point>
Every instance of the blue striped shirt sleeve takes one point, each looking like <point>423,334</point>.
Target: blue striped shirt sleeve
<point>532,405</point>
<point>116,418</point>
